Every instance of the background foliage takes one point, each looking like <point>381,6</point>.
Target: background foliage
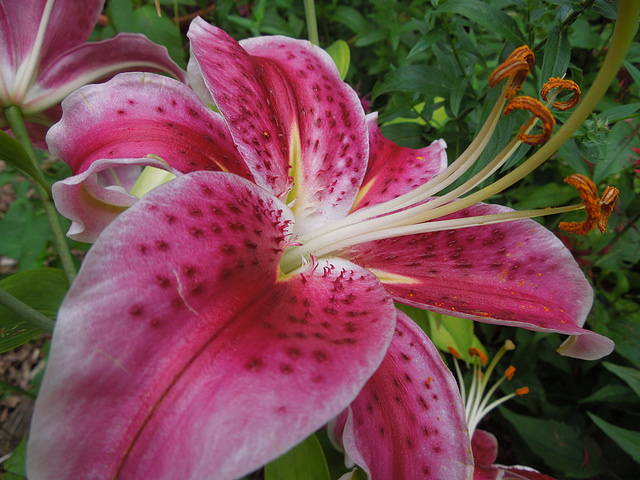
<point>424,66</point>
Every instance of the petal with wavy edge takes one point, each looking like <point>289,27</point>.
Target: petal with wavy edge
<point>516,274</point>
<point>394,170</point>
<point>485,447</point>
<point>91,62</point>
<point>180,353</point>
<point>500,472</point>
<point>90,203</point>
<point>139,114</point>
<point>408,422</point>
<point>286,105</point>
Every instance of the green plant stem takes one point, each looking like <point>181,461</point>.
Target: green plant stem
<point>24,311</point>
<point>16,122</point>
<point>312,24</point>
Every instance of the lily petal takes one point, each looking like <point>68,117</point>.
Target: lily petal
<point>180,353</point>
<point>408,422</point>
<point>288,108</point>
<point>394,170</point>
<point>514,274</point>
<point>139,114</point>
<point>91,204</point>
<point>91,62</point>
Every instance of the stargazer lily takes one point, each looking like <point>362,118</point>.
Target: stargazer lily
<point>44,56</point>
<point>230,312</point>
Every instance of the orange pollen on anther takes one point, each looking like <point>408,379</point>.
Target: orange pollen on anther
<point>607,203</point>
<point>559,83</point>
<point>539,111</point>
<point>509,372</point>
<point>517,66</point>
<point>589,195</point>
<point>522,391</point>
<point>454,352</point>
<point>474,352</point>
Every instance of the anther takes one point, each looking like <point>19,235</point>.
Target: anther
<point>454,352</point>
<point>509,345</point>
<point>539,111</point>
<point>559,83</point>
<point>474,352</point>
<point>589,195</point>
<point>517,66</point>
<point>607,203</point>
<point>509,372</point>
<point>522,391</point>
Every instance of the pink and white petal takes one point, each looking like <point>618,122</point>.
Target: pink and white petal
<point>90,203</point>
<point>70,25</point>
<point>93,62</point>
<point>394,170</point>
<point>408,422</point>
<point>515,274</point>
<point>19,21</point>
<point>314,125</point>
<point>518,473</point>
<point>180,353</point>
<point>485,447</point>
<point>139,114</point>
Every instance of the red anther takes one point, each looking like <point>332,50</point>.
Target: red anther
<point>559,83</point>
<point>517,66</point>
<point>474,352</point>
<point>539,111</point>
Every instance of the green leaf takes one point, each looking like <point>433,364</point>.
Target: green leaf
<point>304,461</point>
<point>43,290</point>
<point>426,41</point>
<point>628,440</point>
<point>633,71</point>
<point>415,78</point>
<point>621,112</point>
<point>15,465</point>
<point>488,16</point>
<point>612,394</point>
<point>12,153</point>
<point>341,54</point>
<point>556,55</point>
<point>629,375</point>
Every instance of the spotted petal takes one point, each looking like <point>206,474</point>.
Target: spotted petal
<point>180,353</point>
<point>289,110</point>
<point>408,422</point>
<point>515,274</point>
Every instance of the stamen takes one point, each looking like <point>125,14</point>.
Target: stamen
<point>517,66</point>
<point>510,372</point>
<point>522,391</point>
<point>607,203</point>
<point>454,352</point>
<point>475,352</point>
<point>589,195</point>
<point>560,83</point>
<point>539,111</point>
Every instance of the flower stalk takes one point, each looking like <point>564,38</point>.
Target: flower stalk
<point>16,122</point>
<point>23,310</point>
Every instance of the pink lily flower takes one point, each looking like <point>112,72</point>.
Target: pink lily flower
<point>485,453</point>
<point>230,312</point>
<point>44,56</point>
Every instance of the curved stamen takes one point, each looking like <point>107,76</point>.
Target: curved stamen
<point>607,203</point>
<point>539,111</point>
<point>562,84</point>
<point>517,66</point>
<point>589,195</point>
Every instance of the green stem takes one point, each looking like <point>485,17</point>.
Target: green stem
<point>24,311</point>
<point>16,122</point>
<point>312,24</point>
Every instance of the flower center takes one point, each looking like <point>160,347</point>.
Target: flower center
<point>418,211</point>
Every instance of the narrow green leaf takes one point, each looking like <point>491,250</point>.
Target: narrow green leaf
<point>628,440</point>
<point>488,16</point>
<point>304,461</point>
<point>633,71</point>
<point>620,112</point>
<point>431,37</point>
<point>556,55</point>
<point>612,394</point>
<point>629,375</point>
<point>12,153</point>
<point>341,54</point>
<point>43,290</point>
